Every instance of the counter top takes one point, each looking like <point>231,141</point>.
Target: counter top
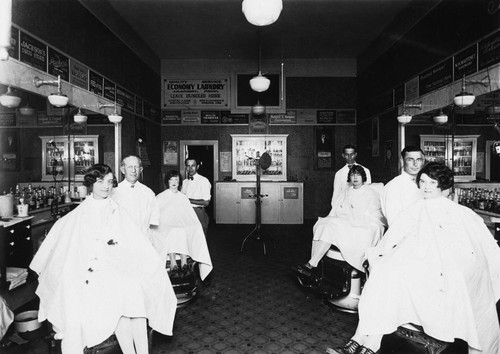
<point>14,220</point>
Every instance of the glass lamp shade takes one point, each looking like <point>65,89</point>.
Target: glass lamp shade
<point>27,111</point>
<point>260,83</point>
<point>115,118</point>
<point>258,109</point>
<point>441,118</point>
<point>58,100</point>
<point>9,99</point>
<point>79,117</point>
<point>404,118</point>
<point>464,99</point>
<point>262,12</point>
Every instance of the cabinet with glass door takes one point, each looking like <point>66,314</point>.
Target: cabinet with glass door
<point>66,158</point>
<point>462,158</point>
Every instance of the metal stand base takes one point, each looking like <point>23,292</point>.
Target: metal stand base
<point>256,233</point>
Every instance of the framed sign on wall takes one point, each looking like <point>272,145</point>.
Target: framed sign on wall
<point>323,149</point>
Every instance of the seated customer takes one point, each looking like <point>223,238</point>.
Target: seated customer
<point>97,278</point>
<point>437,267</point>
<point>354,223</point>
<point>180,231</point>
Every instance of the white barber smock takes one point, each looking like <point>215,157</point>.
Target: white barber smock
<point>397,195</point>
<point>180,231</point>
<point>197,188</point>
<point>139,202</point>
<point>438,267</point>
<point>340,183</point>
<point>93,269</point>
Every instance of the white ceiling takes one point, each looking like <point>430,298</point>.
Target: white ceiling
<point>217,29</point>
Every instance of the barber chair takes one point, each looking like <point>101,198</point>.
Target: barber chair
<point>185,284</point>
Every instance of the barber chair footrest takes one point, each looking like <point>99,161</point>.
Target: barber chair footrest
<point>109,346</point>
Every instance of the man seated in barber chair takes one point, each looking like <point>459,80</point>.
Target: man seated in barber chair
<point>180,236</point>
<point>434,278</point>
<point>354,224</point>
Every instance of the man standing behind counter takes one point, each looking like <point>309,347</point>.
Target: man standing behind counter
<point>402,191</point>
<point>197,189</point>
<point>136,198</point>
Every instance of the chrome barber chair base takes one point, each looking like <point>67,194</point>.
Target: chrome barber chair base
<point>347,303</point>
<point>185,285</point>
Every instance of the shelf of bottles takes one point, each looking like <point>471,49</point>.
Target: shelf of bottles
<point>435,151</point>
<point>248,148</point>
<point>85,155</point>
<point>56,153</point>
<point>462,158</point>
<point>480,198</point>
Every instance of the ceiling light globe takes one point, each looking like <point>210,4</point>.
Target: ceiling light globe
<point>258,109</point>
<point>9,99</point>
<point>441,118</point>
<point>464,99</point>
<point>115,118</point>
<point>80,118</point>
<point>58,100</point>
<point>262,12</point>
<point>260,83</point>
<point>27,111</point>
<point>404,118</point>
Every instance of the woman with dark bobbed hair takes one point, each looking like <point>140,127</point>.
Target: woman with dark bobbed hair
<point>436,270</point>
<point>97,278</point>
<point>354,224</point>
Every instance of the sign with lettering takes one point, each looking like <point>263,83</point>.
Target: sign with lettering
<point>49,120</point>
<point>14,43</point>
<point>125,98</point>
<point>290,117</point>
<point>411,89</point>
<point>399,95</point>
<point>109,90</point>
<point>290,192</point>
<point>196,93</point>
<point>96,84</point>
<point>171,117</point>
<point>151,112</point>
<point>438,76</point>
<point>489,51</point>
<point>210,117</point>
<point>58,64</point>
<point>346,116</point>
<point>191,116</point>
<point>79,74</point>
<point>306,117</point>
<point>465,62</point>
<point>248,192</point>
<point>7,119</point>
<point>228,118</point>
<point>33,52</point>
<point>326,117</point>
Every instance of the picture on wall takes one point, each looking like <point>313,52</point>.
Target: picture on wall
<point>9,150</point>
<point>170,153</point>
<point>323,146</point>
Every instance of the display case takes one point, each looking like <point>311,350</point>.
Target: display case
<point>462,158</point>
<point>66,157</point>
<point>248,148</point>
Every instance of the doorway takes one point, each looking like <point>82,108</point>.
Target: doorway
<point>492,172</point>
<point>207,151</point>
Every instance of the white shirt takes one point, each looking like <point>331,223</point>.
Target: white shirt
<point>197,188</point>
<point>398,194</point>
<point>139,202</point>
<point>340,183</point>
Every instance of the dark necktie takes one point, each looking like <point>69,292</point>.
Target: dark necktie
<point>132,186</point>
<point>190,178</point>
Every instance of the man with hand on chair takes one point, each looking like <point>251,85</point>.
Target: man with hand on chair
<point>197,189</point>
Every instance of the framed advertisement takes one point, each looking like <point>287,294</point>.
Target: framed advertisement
<point>225,161</point>
<point>9,157</point>
<point>170,153</point>
<point>323,149</point>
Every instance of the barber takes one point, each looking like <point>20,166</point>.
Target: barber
<point>402,191</point>
<point>197,188</point>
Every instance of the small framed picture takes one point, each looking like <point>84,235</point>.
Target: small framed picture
<point>323,149</point>
<point>170,153</point>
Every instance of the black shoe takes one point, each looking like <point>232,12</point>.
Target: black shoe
<point>304,270</point>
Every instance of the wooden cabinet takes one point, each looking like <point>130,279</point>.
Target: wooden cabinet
<point>66,158</point>
<point>458,153</point>
<point>282,202</point>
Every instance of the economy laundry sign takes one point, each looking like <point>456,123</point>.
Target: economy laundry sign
<point>193,94</point>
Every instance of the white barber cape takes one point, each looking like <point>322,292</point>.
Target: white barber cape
<point>354,224</point>
<point>93,269</point>
<point>180,231</point>
<point>139,202</point>
<point>438,267</point>
<point>398,194</point>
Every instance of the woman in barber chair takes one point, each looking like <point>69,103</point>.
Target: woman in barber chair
<point>436,269</point>
<point>354,224</point>
<point>180,231</point>
<point>97,277</point>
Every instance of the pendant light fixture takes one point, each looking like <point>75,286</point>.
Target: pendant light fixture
<point>464,99</point>
<point>113,117</point>
<point>57,99</point>
<point>10,99</point>
<point>441,118</point>
<point>259,83</point>
<point>79,117</point>
<point>262,12</point>
<point>405,117</point>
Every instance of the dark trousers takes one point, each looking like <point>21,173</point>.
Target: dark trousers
<point>203,217</point>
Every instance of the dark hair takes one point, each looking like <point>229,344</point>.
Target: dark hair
<point>439,172</point>
<point>356,169</point>
<point>170,174</point>
<point>349,146</point>
<point>410,148</point>
<point>97,171</point>
<point>195,159</point>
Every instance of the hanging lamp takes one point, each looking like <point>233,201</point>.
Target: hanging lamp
<point>262,12</point>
